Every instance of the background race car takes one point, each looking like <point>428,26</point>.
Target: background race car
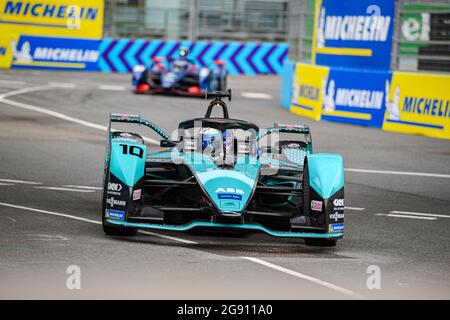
<point>223,173</point>
<point>179,76</point>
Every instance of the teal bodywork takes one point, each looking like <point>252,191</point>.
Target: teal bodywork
<point>245,226</point>
<point>326,173</point>
<point>128,168</point>
<point>229,189</point>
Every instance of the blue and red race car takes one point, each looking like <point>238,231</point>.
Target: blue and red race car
<point>179,76</point>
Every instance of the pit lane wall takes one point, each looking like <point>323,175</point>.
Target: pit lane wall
<point>349,80</point>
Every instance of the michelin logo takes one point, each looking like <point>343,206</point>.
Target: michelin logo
<point>351,28</point>
<point>45,10</point>
<point>42,53</point>
<point>392,107</point>
<point>22,55</point>
<point>350,97</point>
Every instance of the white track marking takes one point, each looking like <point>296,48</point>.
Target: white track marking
<point>404,216</point>
<point>25,90</point>
<point>11,82</point>
<point>19,181</point>
<point>402,173</point>
<point>354,208</point>
<point>55,114</point>
<point>83,187</point>
<point>111,87</point>
<point>422,214</point>
<point>305,277</point>
<point>49,212</point>
<point>256,95</point>
<point>167,237</point>
<point>46,237</point>
<point>89,220</point>
<point>62,84</point>
<point>6,184</point>
<point>64,189</point>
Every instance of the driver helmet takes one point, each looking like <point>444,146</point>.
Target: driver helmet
<point>183,52</point>
<point>209,136</point>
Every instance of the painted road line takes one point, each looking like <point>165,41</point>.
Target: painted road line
<point>422,214</point>
<point>111,87</point>
<point>305,277</point>
<point>62,84</point>
<point>167,237</point>
<point>83,187</point>
<point>64,189</point>
<point>256,95</point>
<point>404,216</point>
<point>55,114</point>
<point>11,82</point>
<point>402,173</point>
<point>6,184</point>
<point>52,213</point>
<point>19,181</point>
<point>354,208</point>
<point>88,220</point>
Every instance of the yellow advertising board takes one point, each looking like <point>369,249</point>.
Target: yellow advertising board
<point>307,90</point>
<point>59,18</point>
<point>419,104</point>
<point>81,19</point>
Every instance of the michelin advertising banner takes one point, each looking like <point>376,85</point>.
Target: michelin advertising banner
<point>353,33</point>
<point>342,95</point>
<point>418,104</point>
<point>76,24</point>
<point>54,53</point>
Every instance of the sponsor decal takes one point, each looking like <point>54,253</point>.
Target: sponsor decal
<point>316,205</point>
<point>137,194</point>
<point>232,196</point>
<point>230,193</point>
<point>114,187</point>
<point>336,227</point>
<point>115,214</point>
<point>336,216</point>
<point>115,202</point>
<point>338,202</point>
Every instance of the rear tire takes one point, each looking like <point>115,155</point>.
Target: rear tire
<point>320,242</point>
<point>107,228</point>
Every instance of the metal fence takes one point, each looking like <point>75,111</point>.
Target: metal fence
<point>239,20</point>
<point>421,38</point>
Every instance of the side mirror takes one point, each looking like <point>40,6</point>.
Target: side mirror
<point>167,143</point>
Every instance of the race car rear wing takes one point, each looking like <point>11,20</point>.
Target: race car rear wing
<point>136,118</point>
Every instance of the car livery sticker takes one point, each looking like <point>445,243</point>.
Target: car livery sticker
<point>115,214</point>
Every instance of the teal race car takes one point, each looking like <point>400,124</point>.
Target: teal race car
<point>223,173</point>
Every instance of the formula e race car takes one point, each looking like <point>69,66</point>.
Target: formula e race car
<point>179,76</point>
<point>223,173</point>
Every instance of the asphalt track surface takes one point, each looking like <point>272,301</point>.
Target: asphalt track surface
<point>51,153</point>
